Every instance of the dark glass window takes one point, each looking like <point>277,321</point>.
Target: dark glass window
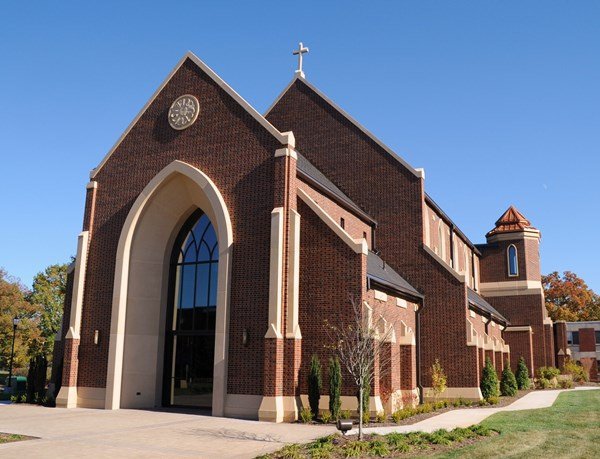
<point>196,278</point>
<point>513,265</point>
<point>597,338</point>
<point>575,337</point>
<point>342,223</point>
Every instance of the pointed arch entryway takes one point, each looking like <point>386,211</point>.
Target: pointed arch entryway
<point>141,286</point>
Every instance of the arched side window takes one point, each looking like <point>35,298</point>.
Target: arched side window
<point>513,262</point>
<point>442,240</point>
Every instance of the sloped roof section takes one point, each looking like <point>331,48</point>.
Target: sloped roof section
<point>306,168</point>
<point>511,221</point>
<point>299,79</point>
<point>477,300</point>
<point>381,273</point>
<point>284,138</point>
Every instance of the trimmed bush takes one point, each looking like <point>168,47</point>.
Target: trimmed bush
<point>565,383</point>
<point>306,415</point>
<point>522,376</point>
<point>366,418</point>
<point>508,383</point>
<point>493,400</point>
<point>543,383</point>
<point>489,381</point>
<point>576,371</point>
<point>438,378</point>
<point>314,385</point>
<point>335,388</point>
<point>381,417</point>
<point>548,372</point>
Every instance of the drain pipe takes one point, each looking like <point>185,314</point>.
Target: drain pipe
<point>418,356</point>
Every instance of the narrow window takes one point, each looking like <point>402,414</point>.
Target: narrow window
<point>513,265</point>
<point>575,338</point>
<point>342,223</point>
<point>364,234</point>
<point>441,241</point>
<point>597,339</point>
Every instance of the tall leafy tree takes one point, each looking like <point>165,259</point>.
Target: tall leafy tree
<point>569,298</point>
<point>13,304</point>
<point>48,295</point>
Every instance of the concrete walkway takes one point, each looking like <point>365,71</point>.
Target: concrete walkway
<point>89,433</point>
<point>136,433</point>
<point>467,417</point>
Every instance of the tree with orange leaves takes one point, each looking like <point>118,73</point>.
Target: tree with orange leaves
<point>569,298</point>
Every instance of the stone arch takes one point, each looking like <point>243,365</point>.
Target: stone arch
<point>140,285</point>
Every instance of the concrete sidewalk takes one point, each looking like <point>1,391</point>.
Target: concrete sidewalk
<point>467,417</point>
<point>80,432</point>
<point>88,433</point>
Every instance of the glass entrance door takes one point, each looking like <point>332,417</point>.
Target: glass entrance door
<point>191,336</point>
<point>193,370</point>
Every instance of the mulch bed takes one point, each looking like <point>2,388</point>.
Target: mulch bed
<point>503,401</point>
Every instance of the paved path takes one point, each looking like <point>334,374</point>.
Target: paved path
<point>137,433</point>
<point>468,417</point>
<point>87,433</point>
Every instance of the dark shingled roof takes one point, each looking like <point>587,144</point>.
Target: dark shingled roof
<point>305,167</point>
<point>381,273</point>
<point>478,301</point>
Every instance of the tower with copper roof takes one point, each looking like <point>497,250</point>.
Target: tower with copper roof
<point>511,282</point>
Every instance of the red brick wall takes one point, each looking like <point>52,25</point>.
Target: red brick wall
<point>587,340</point>
<point>390,193</point>
<point>525,310</point>
<point>494,260</point>
<point>549,342</point>
<point>560,342</point>
<point>237,154</point>
<point>521,345</point>
<point>59,346</point>
<point>330,271</point>
<point>354,226</point>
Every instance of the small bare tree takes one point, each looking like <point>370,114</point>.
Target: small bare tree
<point>358,342</point>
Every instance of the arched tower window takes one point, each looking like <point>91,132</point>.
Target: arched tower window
<point>513,262</point>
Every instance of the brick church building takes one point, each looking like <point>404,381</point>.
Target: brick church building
<point>217,242</point>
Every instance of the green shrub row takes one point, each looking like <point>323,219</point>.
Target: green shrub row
<point>378,445</point>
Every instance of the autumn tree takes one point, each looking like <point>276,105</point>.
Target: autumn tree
<point>569,298</point>
<point>13,304</point>
<point>48,296</point>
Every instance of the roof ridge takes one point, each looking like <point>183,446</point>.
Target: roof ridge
<point>282,137</point>
<point>417,172</point>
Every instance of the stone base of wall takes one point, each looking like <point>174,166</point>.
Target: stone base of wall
<point>453,393</point>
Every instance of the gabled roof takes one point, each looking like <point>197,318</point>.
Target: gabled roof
<point>307,170</point>
<point>381,274</point>
<point>284,138</point>
<point>511,221</point>
<point>298,78</point>
<point>479,302</point>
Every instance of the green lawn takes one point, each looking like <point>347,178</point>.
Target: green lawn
<point>570,428</point>
<point>8,438</point>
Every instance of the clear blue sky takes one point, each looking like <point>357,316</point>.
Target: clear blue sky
<point>499,101</point>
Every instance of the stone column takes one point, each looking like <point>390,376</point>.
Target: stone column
<point>282,339</point>
<point>67,397</point>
